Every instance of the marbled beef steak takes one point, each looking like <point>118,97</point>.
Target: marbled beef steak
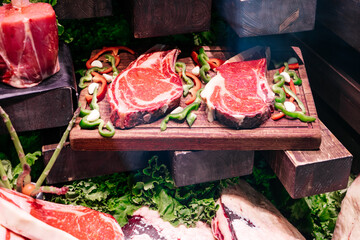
<point>146,90</point>
<point>77,221</point>
<point>239,95</point>
<point>28,44</point>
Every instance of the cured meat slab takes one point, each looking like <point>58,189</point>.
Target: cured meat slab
<point>28,44</point>
<point>284,134</point>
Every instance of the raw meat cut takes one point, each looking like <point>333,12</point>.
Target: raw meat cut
<point>146,90</point>
<point>246,214</point>
<point>6,234</point>
<point>23,223</point>
<point>28,44</point>
<point>80,222</point>
<point>348,221</point>
<point>239,95</point>
<point>146,224</point>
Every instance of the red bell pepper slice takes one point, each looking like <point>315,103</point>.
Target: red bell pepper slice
<point>194,57</point>
<point>98,78</point>
<point>114,51</point>
<point>193,90</point>
<point>215,62</point>
<point>293,66</point>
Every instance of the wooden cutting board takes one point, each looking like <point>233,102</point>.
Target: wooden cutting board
<point>284,134</point>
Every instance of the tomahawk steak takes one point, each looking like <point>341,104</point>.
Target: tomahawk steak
<point>28,43</point>
<point>147,224</point>
<point>146,90</point>
<point>244,213</point>
<point>239,95</point>
<point>77,221</point>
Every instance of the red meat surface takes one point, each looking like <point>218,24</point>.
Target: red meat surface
<point>239,95</point>
<point>28,44</point>
<point>81,222</point>
<point>146,90</point>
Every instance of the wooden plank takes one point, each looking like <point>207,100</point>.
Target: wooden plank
<point>257,17</point>
<point>192,167</point>
<point>279,135</point>
<point>74,165</point>
<point>153,18</point>
<point>341,17</point>
<point>77,9</point>
<point>306,173</point>
<point>342,91</point>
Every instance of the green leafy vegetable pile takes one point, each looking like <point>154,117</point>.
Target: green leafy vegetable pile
<point>122,193</point>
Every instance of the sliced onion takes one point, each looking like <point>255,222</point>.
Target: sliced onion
<point>97,63</point>
<point>92,87</point>
<point>286,76</point>
<point>289,106</point>
<point>94,115</point>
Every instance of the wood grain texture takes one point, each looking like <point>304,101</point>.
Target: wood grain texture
<point>74,165</point>
<point>264,17</point>
<point>306,173</point>
<point>77,9</point>
<point>280,135</point>
<point>341,17</point>
<point>40,111</point>
<point>152,18</point>
<point>192,167</point>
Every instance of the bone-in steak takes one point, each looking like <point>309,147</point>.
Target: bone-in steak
<point>146,90</point>
<point>81,222</point>
<point>239,95</point>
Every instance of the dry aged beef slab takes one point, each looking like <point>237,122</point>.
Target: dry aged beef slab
<point>146,224</point>
<point>28,43</point>
<point>244,213</point>
<point>146,90</point>
<point>77,222</point>
<point>239,95</point>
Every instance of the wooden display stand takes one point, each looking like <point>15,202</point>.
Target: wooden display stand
<point>47,105</point>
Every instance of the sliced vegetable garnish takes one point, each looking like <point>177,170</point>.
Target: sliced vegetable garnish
<point>299,115</point>
<point>113,50</point>
<point>101,93</point>
<point>193,90</point>
<point>88,76</point>
<point>180,67</point>
<point>205,67</point>
<point>215,62</point>
<point>183,114</point>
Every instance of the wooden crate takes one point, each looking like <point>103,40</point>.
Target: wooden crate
<point>76,9</point>
<point>48,105</point>
<point>280,135</point>
<point>306,173</point>
<point>192,167</point>
<point>152,18</point>
<point>341,17</point>
<point>75,165</point>
<point>264,17</point>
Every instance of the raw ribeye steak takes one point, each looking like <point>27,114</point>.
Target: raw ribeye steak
<point>239,95</point>
<point>78,221</point>
<point>28,44</point>
<point>146,90</point>
<point>244,213</point>
<point>146,224</point>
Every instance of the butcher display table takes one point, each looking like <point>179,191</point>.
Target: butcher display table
<point>307,157</point>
